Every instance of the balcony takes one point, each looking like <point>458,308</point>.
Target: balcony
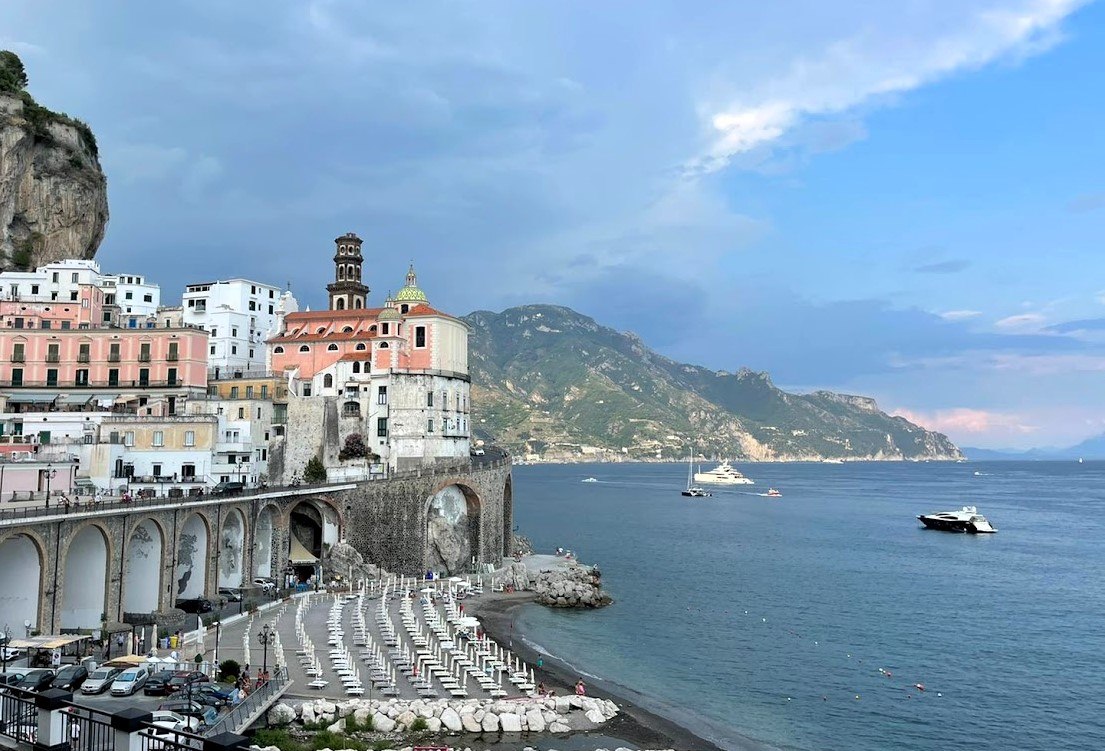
<point>113,357</point>
<point>83,357</point>
<point>144,357</point>
<point>172,357</point>
<point>52,357</point>
<point>69,383</point>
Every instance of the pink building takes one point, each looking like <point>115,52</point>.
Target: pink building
<point>25,479</point>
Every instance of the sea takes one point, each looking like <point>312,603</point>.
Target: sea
<point>811,621</point>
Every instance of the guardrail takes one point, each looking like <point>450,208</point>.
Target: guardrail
<point>250,709</point>
<point>18,715</point>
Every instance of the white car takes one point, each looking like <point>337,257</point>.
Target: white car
<point>7,654</point>
<point>266,585</point>
<point>174,721</point>
<point>129,681</point>
<point>100,680</point>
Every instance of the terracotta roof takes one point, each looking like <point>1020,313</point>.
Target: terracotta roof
<point>333,336</point>
<point>426,310</point>
<point>367,355</point>
<point>336,315</point>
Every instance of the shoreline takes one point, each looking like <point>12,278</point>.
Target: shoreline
<point>634,723</point>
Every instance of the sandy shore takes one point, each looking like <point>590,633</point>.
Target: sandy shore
<point>634,725</point>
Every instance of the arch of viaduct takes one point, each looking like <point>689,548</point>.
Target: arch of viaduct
<point>74,571</point>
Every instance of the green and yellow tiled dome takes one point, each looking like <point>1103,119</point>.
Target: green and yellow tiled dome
<point>411,291</point>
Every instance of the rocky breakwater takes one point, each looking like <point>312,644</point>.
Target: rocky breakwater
<point>572,585</point>
<point>560,714</point>
<point>53,193</point>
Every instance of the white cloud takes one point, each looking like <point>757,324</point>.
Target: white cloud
<point>854,71</point>
<point>960,315</point>
<point>962,420</point>
<point>1020,322</point>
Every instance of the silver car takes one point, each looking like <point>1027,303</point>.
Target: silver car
<point>100,680</point>
<point>129,681</point>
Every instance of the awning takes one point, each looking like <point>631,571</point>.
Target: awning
<point>126,661</point>
<point>47,642</point>
<point>30,399</point>
<point>299,554</point>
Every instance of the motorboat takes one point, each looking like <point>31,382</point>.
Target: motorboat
<point>722,474</point>
<point>832,461</point>
<point>966,519</point>
<point>773,493</point>
<point>589,479</point>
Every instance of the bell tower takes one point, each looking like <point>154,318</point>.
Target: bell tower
<point>346,291</point>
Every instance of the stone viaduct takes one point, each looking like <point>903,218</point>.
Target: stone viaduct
<point>77,569</point>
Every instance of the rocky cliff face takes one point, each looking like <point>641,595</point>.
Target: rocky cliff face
<point>53,194</point>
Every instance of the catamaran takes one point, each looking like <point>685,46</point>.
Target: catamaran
<point>693,491</point>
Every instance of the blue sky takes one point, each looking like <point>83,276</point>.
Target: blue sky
<point>902,199</point>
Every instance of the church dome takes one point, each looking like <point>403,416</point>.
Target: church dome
<point>389,314</point>
<point>411,292</point>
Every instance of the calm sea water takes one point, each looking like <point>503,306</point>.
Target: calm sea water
<point>744,617</point>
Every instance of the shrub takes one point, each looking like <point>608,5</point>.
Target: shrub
<point>314,471</point>
<point>418,725</point>
<point>231,669</point>
<point>327,739</point>
<point>354,448</point>
<point>279,738</point>
<point>352,726</point>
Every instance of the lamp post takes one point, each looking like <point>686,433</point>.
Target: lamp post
<point>50,472</point>
<point>238,464</point>
<point>27,625</point>
<point>266,637</point>
<point>7,634</point>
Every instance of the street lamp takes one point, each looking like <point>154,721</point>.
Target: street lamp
<point>50,472</point>
<point>7,634</point>
<point>27,625</point>
<point>239,466</point>
<point>266,637</point>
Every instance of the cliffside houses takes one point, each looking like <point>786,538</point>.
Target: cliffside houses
<point>103,390</point>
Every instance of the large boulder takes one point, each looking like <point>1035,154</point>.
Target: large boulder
<point>471,725</point>
<point>595,716</point>
<point>382,723</point>
<point>451,720</point>
<point>535,721</point>
<point>510,723</point>
<point>281,714</point>
<point>490,723</point>
<point>433,725</point>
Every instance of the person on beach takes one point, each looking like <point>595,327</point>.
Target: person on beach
<point>581,689</point>
<point>541,690</point>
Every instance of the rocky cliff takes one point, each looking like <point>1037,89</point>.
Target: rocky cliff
<point>549,381</point>
<point>53,193</point>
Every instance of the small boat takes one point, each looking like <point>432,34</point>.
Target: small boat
<point>722,474</point>
<point>693,491</point>
<point>832,461</point>
<point>773,493</point>
<point>589,479</point>
<point>967,519</point>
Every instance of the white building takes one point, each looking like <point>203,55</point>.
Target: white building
<point>240,314</point>
<point>129,300</point>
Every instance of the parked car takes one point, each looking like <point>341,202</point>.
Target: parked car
<point>36,680</point>
<point>100,680</point>
<point>158,684</point>
<point>266,585</point>
<point>203,713</point>
<point>70,677</point>
<point>211,695</point>
<point>129,681</point>
<point>231,595</point>
<point>7,654</point>
<point>194,605</point>
<point>478,452</point>
<point>228,488</point>
<point>181,680</point>
<point>174,721</point>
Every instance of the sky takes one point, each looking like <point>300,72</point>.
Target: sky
<point>904,200</point>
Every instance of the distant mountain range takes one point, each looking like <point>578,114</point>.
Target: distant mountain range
<point>551,382</point>
<point>1091,448</point>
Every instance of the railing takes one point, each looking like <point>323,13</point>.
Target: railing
<point>18,715</point>
<point>247,710</point>
<point>156,738</point>
<point>89,729</point>
<point>87,384</point>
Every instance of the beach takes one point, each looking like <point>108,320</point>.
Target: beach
<point>634,725</point>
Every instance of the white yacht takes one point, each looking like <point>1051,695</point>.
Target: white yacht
<point>967,519</point>
<point>722,474</point>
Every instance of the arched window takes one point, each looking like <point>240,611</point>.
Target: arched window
<point>351,409</point>
<point>278,350</point>
<point>358,304</point>
<point>347,330</point>
<point>341,272</point>
<point>304,348</point>
<point>320,330</point>
<point>360,347</point>
<point>356,367</point>
<point>372,328</point>
<point>340,304</point>
<point>383,345</point>
<point>328,381</point>
<point>404,308</point>
<point>331,348</point>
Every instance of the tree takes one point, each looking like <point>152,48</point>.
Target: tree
<point>314,471</point>
<point>13,76</point>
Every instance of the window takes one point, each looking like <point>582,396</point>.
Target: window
<point>143,376</point>
<point>47,323</point>
<point>84,355</point>
<point>76,277</point>
<point>52,353</point>
<point>55,277</point>
<point>113,377</point>
<point>430,425</point>
<point>234,332</point>
<point>233,392</point>
<point>18,352</point>
<point>81,377</point>
<point>278,350</point>
<point>383,345</point>
<point>128,296</point>
<point>385,328</point>
<point>304,348</point>
<point>34,289</point>
<point>404,308</point>
<point>331,348</point>
<point>113,352</point>
<point>66,325</point>
<point>190,439</point>
<point>187,472</point>
<point>249,392</point>
<point>17,376</point>
<point>212,349</point>
<point>356,367</point>
<point>264,391</point>
<point>251,354</point>
<point>170,376</point>
<point>252,305</point>
<point>270,310</point>
<point>128,438</point>
<point>327,381</point>
<point>144,352</point>
<point>158,438</point>
<point>174,351</point>
<point>429,398</point>
<point>420,336</point>
<point>306,389</point>
<point>52,377</point>
<point>147,298</point>
<point>214,331</point>
<point>381,427</point>
<point>258,413</point>
<point>73,296</point>
<point>233,349</point>
<point>360,347</point>
<point>241,413</point>
<point>351,409</point>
